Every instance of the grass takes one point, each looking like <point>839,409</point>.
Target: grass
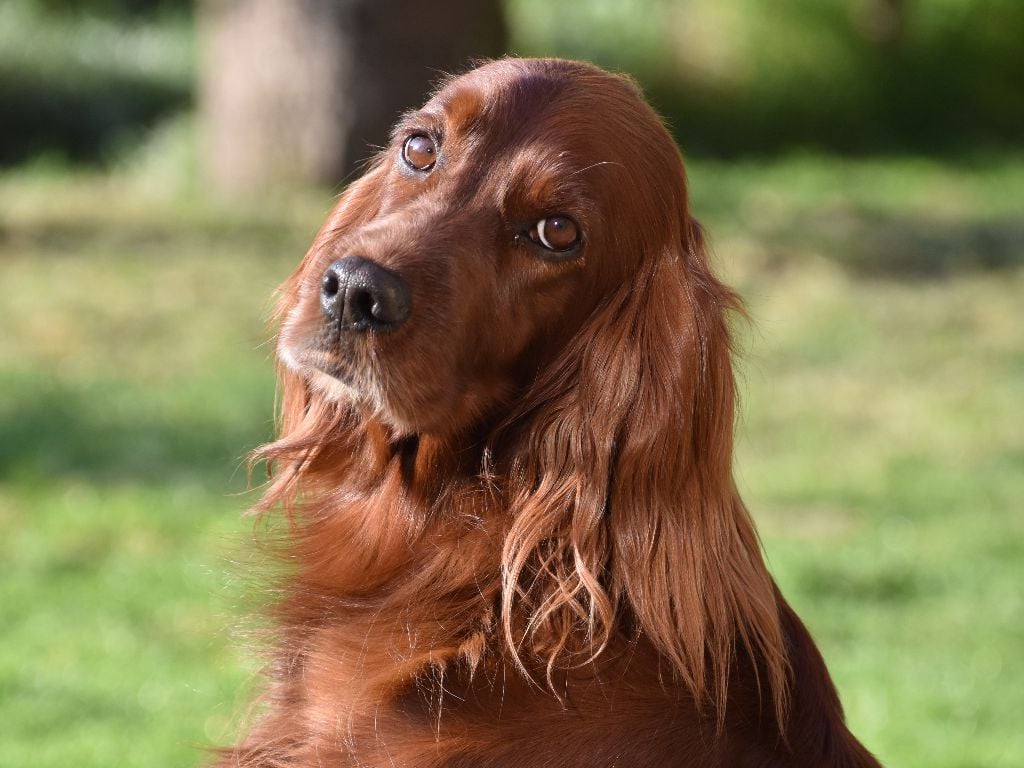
<point>880,449</point>
<point>135,376</point>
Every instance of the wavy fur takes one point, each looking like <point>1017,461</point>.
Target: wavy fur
<point>513,532</point>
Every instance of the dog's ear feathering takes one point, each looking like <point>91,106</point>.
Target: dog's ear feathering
<point>624,508</point>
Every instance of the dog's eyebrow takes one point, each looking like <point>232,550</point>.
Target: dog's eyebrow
<point>539,183</point>
<point>464,108</point>
<point>418,120</point>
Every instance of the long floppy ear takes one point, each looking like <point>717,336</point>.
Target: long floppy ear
<point>305,417</point>
<point>625,513</point>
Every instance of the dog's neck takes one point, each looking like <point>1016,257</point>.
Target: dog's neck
<point>458,542</point>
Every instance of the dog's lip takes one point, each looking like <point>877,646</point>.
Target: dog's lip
<point>305,358</point>
<point>331,364</point>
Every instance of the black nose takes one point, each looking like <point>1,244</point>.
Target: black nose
<point>359,295</point>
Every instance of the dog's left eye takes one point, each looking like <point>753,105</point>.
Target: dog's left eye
<point>419,152</point>
<point>556,233</point>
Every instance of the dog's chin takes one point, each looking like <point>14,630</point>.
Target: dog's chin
<point>333,380</point>
<point>324,373</point>
<point>424,410</point>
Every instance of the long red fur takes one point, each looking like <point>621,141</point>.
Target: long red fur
<point>514,538</point>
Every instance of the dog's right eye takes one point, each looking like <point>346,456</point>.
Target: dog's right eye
<point>556,233</point>
<point>419,152</point>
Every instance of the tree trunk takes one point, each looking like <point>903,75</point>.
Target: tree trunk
<point>300,91</point>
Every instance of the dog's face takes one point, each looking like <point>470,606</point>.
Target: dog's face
<point>500,216</point>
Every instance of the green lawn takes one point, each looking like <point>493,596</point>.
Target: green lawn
<point>881,449</point>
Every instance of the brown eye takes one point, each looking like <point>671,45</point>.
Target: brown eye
<point>556,233</point>
<point>419,152</point>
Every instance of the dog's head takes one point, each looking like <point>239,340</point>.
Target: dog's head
<point>523,197</point>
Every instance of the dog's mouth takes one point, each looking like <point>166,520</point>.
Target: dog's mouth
<point>328,359</point>
<point>337,378</point>
<point>331,365</point>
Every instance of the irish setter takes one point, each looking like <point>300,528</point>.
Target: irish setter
<point>504,465</point>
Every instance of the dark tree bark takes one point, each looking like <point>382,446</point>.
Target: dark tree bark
<point>301,91</point>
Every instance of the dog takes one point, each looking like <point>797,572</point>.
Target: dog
<point>504,467</point>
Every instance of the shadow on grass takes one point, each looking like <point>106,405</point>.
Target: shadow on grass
<point>114,433</point>
<point>874,244</point>
<point>161,228</point>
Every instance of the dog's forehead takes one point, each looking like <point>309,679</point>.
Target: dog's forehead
<point>516,116</point>
<point>541,124</point>
<point>511,94</point>
<point>472,102</point>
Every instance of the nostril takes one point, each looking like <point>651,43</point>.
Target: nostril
<point>330,284</point>
<point>361,304</point>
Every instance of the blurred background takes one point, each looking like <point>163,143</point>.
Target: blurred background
<point>858,163</point>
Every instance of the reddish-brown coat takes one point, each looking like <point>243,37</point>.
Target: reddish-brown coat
<point>512,535</point>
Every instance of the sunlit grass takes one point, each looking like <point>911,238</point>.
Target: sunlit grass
<point>880,446</point>
<point>883,458</point>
